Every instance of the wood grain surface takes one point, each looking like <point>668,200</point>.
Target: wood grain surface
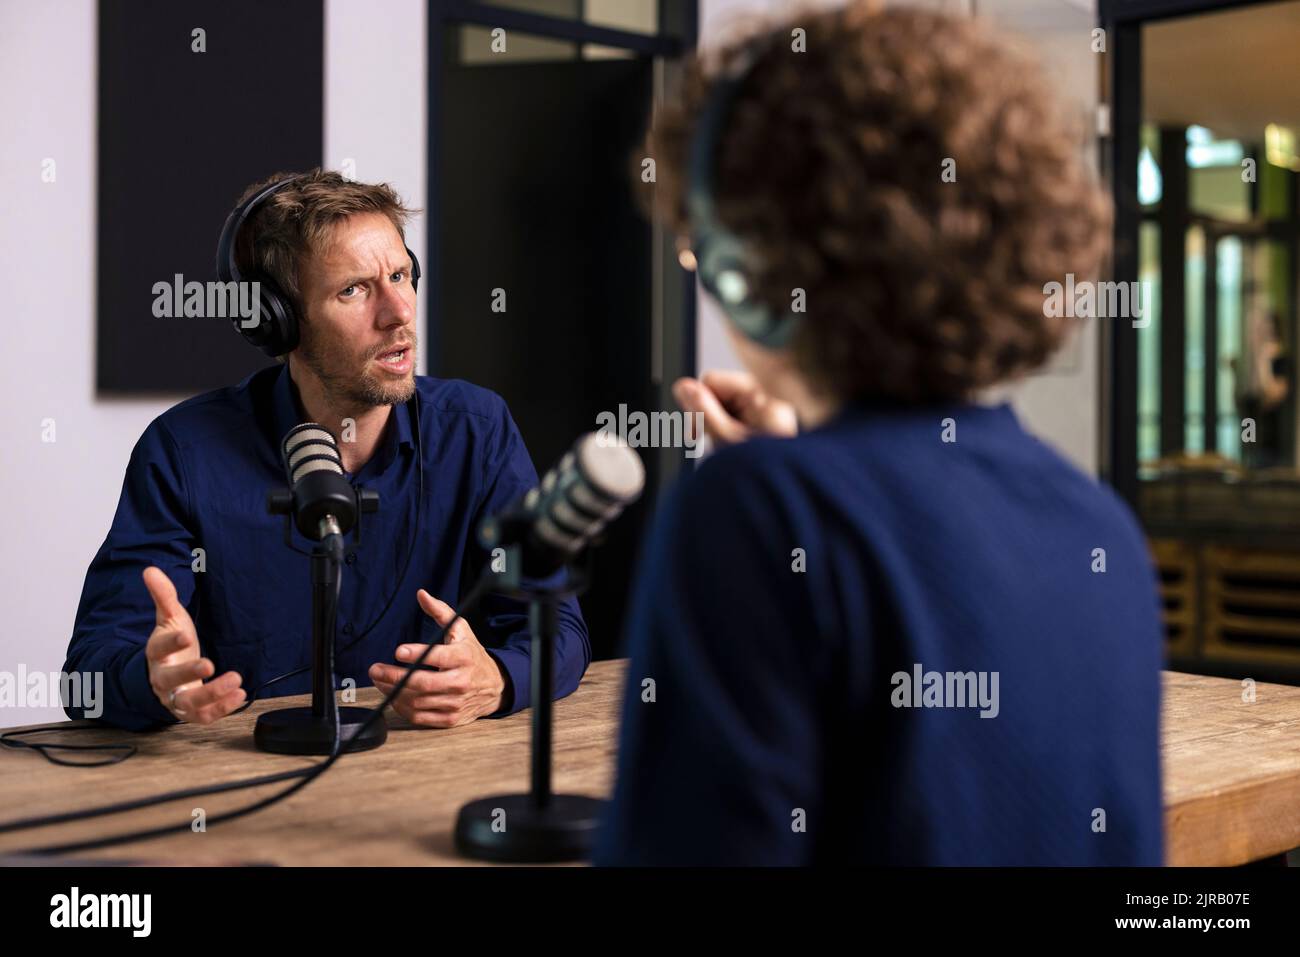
<point>395,805</point>
<point>1232,770</point>
<point>1231,781</point>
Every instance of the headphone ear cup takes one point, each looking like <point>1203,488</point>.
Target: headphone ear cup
<point>415,269</point>
<point>284,321</point>
<point>724,271</point>
<point>276,331</point>
<point>762,325</point>
<point>718,256</point>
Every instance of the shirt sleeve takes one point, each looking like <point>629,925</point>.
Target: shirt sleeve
<point>719,759</point>
<point>509,474</point>
<point>116,614</point>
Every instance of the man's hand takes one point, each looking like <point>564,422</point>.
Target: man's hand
<point>467,685</point>
<point>176,670</point>
<point>734,407</point>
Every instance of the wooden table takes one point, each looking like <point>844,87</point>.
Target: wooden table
<point>1232,781</point>
<point>395,805</point>
<point>1232,770</point>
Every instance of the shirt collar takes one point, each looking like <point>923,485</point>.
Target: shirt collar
<point>287,412</point>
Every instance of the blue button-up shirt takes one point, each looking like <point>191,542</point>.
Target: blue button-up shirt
<point>194,503</point>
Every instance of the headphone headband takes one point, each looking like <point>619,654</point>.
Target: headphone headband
<point>725,264</point>
<point>227,267</point>
<point>708,136</point>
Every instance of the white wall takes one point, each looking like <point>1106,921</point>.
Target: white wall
<point>376,92</point>
<point>1061,403</point>
<point>59,497</point>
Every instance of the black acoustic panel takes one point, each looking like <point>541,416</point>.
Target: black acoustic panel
<point>181,134</point>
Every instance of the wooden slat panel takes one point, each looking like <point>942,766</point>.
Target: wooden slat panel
<point>1235,610</point>
<point>1262,598</point>
<point>1178,596</point>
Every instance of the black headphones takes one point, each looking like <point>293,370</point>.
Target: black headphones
<point>724,263</point>
<point>276,331</point>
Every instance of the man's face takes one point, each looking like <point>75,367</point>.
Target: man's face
<point>358,336</point>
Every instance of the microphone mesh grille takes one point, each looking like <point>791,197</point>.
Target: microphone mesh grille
<point>315,465</point>
<point>305,441</point>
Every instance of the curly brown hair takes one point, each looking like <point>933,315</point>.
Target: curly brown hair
<point>917,290</point>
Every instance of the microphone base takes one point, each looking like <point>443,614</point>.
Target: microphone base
<point>563,830</point>
<point>298,731</point>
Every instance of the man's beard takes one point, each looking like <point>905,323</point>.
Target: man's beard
<point>344,388</point>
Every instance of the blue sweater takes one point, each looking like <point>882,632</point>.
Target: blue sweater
<point>870,645</point>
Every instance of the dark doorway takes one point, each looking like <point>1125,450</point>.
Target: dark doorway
<point>546,277</point>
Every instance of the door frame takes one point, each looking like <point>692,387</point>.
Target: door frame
<point>444,15</point>
<point>1122,21</point>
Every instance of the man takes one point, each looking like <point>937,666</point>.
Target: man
<point>909,633</point>
<point>194,601</point>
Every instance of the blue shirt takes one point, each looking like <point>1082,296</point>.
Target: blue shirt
<point>790,582</point>
<point>198,479</point>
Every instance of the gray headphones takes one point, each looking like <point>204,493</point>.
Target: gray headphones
<point>724,264</point>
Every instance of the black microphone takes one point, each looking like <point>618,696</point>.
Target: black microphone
<point>591,485</point>
<point>324,502</point>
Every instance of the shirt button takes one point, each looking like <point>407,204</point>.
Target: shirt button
<point>347,628</point>
<point>352,558</point>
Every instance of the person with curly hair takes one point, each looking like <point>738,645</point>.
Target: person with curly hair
<point>882,624</point>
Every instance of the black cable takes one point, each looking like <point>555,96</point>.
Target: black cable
<point>331,622</point>
<point>415,533</point>
<point>134,805</point>
<point>9,739</point>
<point>308,775</point>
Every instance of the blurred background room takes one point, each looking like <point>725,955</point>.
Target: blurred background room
<point>126,146</point>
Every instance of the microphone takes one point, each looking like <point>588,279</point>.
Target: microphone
<point>584,492</point>
<point>324,502</point>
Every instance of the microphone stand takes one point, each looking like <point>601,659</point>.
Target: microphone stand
<point>539,826</point>
<point>312,730</point>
